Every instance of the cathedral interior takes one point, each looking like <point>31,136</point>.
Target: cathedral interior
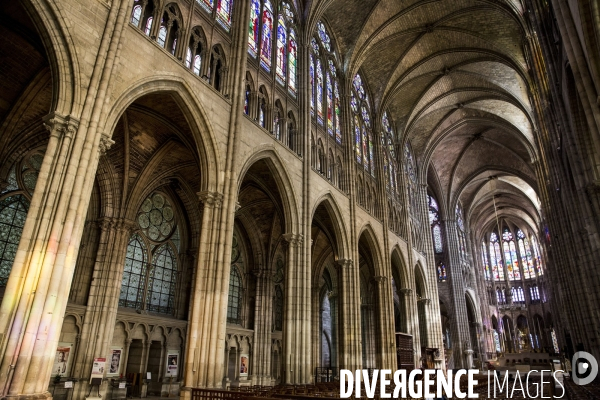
<point>229,193</point>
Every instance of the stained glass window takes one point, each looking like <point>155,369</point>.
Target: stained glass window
<point>312,85</point>
<point>280,66</point>
<point>500,296</point>
<point>134,274</point>
<point>517,295</point>
<point>486,265</point>
<point>292,60</point>
<point>267,36</point>
<point>534,293</point>
<point>319,95</point>
<point>330,123</point>
<point>324,36</point>
<point>206,4</point>
<point>538,258</point>
<point>224,8</point>
<point>510,256</point>
<point>161,281</point>
<point>364,148</point>
<point>371,158</point>
<point>150,274</point>
<point>358,86</point>
<point>253,28</point>
<point>497,341</point>
<point>338,130</point>
<point>235,284</point>
<point>136,15</point>
<point>148,26</point>
<point>357,139</point>
<point>496,258</point>
<point>162,35</point>
<point>526,260</point>
<point>441,271</point>
<point>13,212</point>
<point>409,165</point>
<point>434,221</point>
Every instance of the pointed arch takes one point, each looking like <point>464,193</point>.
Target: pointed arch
<point>341,245</point>
<point>195,114</point>
<point>372,241</point>
<point>278,169</point>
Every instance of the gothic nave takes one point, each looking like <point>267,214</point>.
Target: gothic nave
<point>229,193</point>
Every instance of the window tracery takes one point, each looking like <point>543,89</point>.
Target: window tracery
<point>359,104</point>
<point>510,255</point>
<point>526,259</point>
<point>151,262</point>
<point>234,304</point>
<point>434,222</point>
<point>496,258</point>
<point>15,199</point>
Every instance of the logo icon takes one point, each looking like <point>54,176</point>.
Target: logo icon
<point>585,368</point>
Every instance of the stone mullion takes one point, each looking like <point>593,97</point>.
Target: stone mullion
<point>261,350</point>
<point>460,331</point>
<point>316,326</point>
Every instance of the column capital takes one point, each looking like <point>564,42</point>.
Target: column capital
<point>380,279</point>
<point>59,125</point>
<point>293,239</point>
<point>344,263</point>
<point>424,301</point>
<point>406,292</point>
<point>332,294</point>
<point>105,144</point>
<point>210,199</point>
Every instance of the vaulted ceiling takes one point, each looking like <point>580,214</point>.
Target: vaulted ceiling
<point>453,76</point>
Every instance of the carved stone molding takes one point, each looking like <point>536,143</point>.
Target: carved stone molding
<point>60,125</point>
<point>105,144</point>
<point>380,279</point>
<point>344,263</point>
<point>210,199</point>
<point>406,292</point>
<point>424,301</point>
<point>293,239</point>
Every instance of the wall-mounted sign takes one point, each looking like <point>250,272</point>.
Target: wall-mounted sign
<point>244,364</point>
<point>98,369</point>
<point>62,360</point>
<point>115,361</point>
<point>172,363</point>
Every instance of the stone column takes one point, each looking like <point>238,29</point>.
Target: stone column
<point>297,311</point>
<point>385,322</point>
<point>103,299</point>
<point>350,335</point>
<point>198,324</point>
<point>261,361</point>
<point>460,325</point>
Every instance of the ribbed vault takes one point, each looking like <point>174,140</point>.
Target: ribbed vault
<point>453,76</point>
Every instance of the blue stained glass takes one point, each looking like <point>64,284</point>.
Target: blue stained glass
<point>292,60</point>
<point>315,46</point>
<point>319,92</point>
<point>338,131</point>
<point>206,4</point>
<point>358,86</point>
<point>330,117</point>
<point>324,36</point>
<point>353,104</point>
<point>365,116</point>
<point>332,68</point>
<point>357,139</point>
<point>312,85</point>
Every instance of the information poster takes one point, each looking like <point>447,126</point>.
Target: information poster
<point>62,359</point>
<point>98,368</point>
<point>244,364</point>
<point>172,363</point>
<point>115,357</point>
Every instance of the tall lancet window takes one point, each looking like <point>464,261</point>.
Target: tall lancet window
<point>526,259</point>
<point>234,304</point>
<point>496,258</point>
<point>151,272</point>
<point>436,228</point>
<point>510,255</point>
